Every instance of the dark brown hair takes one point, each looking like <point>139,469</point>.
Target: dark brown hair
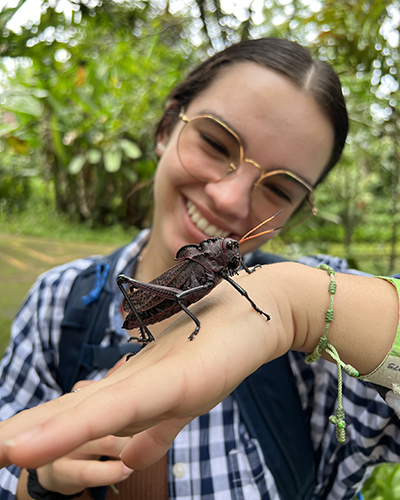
<point>286,57</point>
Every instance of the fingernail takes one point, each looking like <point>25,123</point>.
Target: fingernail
<point>21,438</point>
<point>8,442</point>
<point>127,472</point>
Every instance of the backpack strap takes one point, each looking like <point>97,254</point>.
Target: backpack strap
<point>85,322</point>
<point>270,406</point>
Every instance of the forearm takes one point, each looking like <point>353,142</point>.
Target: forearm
<point>366,310</point>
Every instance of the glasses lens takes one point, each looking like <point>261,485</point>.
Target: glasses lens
<point>281,192</point>
<point>208,150</point>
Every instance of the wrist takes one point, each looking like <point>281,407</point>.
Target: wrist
<point>38,492</point>
<point>387,374</point>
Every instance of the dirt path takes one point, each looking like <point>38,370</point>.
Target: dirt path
<point>22,259</point>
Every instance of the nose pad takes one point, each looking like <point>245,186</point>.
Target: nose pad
<point>232,195</point>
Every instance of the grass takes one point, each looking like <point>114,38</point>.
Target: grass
<point>23,258</point>
<point>37,239</point>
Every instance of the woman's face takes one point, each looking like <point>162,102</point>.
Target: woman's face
<point>280,127</point>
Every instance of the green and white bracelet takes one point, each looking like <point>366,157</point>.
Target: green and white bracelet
<point>387,373</point>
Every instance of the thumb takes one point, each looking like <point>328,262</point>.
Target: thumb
<point>149,446</point>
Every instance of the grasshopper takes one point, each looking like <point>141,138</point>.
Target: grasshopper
<point>200,268</point>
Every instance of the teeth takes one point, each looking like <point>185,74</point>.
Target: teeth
<point>203,224</point>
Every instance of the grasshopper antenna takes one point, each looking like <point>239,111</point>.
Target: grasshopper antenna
<point>250,235</point>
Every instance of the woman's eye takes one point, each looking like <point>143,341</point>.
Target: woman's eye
<point>278,191</point>
<point>215,145</point>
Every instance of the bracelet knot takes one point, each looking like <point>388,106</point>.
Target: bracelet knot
<point>323,345</point>
<point>329,316</point>
<point>332,287</point>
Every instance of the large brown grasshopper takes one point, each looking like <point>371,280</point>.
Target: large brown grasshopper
<point>200,268</point>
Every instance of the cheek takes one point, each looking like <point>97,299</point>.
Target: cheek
<point>169,173</point>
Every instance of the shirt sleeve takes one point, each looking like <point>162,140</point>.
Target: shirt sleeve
<point>28,370</point>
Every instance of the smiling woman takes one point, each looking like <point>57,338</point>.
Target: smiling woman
<point>248,134</point>
<point>263,116</point>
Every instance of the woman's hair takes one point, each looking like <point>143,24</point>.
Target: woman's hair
<point>281,55</point>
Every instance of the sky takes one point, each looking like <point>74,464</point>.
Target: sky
<point>30,11</point>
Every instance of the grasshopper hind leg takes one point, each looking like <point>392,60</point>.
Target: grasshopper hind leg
<point>145,334</point>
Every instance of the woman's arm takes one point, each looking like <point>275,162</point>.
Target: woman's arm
<point>171,381</point>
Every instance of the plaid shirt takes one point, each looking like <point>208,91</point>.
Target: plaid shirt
<point>213,457</point>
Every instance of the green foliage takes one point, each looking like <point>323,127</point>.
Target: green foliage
<point>384,484</point>
<point>86,102</point>
<point>80,93</point>
<point>80,100</point>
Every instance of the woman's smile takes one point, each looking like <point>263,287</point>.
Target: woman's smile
<point>202,223</point>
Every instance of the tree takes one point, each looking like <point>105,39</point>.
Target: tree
<point>89,94</point>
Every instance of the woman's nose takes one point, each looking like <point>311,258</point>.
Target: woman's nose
<point>232,195</point>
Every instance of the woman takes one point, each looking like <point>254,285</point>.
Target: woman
<point>249,133</point>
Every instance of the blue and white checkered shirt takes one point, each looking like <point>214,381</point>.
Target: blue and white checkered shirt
<point>213,457</point>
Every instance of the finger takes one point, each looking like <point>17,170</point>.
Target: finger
<point>116,366</point>
<point>92,419</point>
<point>80,384</point>
<point>150,446</point>
<point>72,476</point>
<point>28,421</point>
<point>110,446</point>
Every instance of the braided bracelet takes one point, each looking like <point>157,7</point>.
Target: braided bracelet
<point>387,374</point>
<point>323,345</point>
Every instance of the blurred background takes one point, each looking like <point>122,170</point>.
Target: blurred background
<point>82,84</point>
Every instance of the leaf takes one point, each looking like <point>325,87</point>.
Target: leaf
<point>76,164</point>
<point>6,128</point>
<point>130,175</point>
<point>23,103</point>
<point>112,160</point>
<point>94,156</point>
<point>131,149</point>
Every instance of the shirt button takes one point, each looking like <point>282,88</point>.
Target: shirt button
<point>179,470</point>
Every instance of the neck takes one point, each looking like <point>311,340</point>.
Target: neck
<point>153,262</point>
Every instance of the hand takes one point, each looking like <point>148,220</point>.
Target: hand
<point>82,468</point>
<point>158,391</point>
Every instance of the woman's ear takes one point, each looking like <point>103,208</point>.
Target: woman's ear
<point>166,126</point>
<point>160,146</point>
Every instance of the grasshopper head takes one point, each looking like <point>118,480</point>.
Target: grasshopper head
<point>232,254</point>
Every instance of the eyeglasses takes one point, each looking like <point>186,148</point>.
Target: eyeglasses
<point>209,150</point>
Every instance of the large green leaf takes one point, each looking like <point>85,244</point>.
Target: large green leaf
<point>76,164</point>
<point>112,160</point>
<point>6,128</point>
<point>94,156</point>
<point>130,149</point>
<point>23,103</point>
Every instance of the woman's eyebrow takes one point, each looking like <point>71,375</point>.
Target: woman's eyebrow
<point>220,118</point>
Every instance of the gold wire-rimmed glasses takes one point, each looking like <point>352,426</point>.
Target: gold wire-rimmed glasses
<point>209,150</point>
